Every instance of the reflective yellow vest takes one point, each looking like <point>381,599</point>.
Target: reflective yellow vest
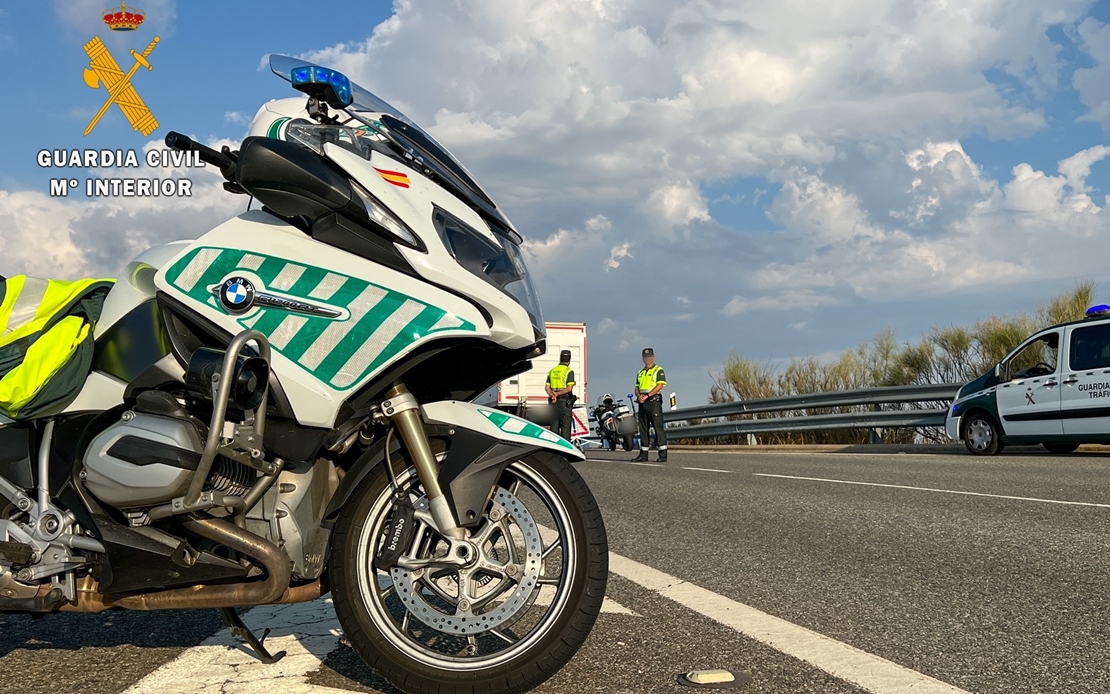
<point>46,341</point>
<point>557,377</point>
<point>650,377</point>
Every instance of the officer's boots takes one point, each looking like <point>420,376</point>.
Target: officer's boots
<point>662,456</point>
<point>642,458</point>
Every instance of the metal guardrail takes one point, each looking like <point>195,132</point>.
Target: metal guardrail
<point>868,419</point>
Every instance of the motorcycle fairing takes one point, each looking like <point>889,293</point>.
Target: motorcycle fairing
<point>336,327</point>
<point>383,314</point>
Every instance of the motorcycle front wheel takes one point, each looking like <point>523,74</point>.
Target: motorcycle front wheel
<point>506,621</point>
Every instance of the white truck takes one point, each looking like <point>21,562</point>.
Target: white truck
<point>524,394</point>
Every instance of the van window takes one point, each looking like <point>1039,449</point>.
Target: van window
<point>1090,348</point>
<point>1038,358</point>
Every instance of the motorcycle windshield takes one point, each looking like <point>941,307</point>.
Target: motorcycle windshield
<point>416,144</point>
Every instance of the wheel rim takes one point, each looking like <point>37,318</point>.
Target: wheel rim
<point>980,434</point>
<point>431,615</point>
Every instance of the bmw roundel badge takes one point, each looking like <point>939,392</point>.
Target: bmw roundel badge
<point>237,294</point>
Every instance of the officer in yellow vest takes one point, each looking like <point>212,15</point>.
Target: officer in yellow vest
<point>560,390</point>
<point>649,386</point>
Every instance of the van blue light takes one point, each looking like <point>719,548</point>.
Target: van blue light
<point>1101,309</point>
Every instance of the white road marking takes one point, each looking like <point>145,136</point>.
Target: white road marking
<point>308,632</point>
<point>941,491</point>
<point>622,462</point>
<point>871,672</point>
<point>625,462</point>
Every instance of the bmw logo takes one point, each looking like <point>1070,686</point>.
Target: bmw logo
<point>237,295</point>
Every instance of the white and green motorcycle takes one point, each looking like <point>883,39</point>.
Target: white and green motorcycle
<point>280,408</point>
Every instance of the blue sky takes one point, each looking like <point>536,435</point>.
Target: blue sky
<point>206,65</point>
<point>697,176</point>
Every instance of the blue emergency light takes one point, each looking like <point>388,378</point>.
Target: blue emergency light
<point>1097,311</point>
<point>323,83</point>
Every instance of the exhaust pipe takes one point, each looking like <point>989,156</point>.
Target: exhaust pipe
<point>273,589</point>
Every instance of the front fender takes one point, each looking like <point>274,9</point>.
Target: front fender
<point>498,425</point>
<point>481,442</point>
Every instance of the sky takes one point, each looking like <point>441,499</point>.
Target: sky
<point>775,177</point>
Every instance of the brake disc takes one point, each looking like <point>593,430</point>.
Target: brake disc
<point>490,615</point>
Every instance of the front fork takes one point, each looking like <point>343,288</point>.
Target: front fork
<point>401,407</point>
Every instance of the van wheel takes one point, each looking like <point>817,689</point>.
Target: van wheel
<point>980,434</point>
<point>1060,448</point>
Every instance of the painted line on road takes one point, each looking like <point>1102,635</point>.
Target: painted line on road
<point>308,632</point>
<point>930,489</point>
<point>875,674</point>
<point>623,462</point>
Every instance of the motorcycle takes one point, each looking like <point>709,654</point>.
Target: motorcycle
<point>614,423</point>
<point>280,408</point>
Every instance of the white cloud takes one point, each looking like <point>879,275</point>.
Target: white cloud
<point>787,300</point>
<point>69,238</point>
<point>617,254</point>
<point>680,203</point>
<point>599,124</point>
<point>1093,82</point>
<point>1077,167</point>
<point>599,223</point>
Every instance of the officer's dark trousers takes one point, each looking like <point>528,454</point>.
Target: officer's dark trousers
<point>564,422</point>
<point>651,414</point>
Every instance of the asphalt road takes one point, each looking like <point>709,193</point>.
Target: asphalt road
<point>962,569</point>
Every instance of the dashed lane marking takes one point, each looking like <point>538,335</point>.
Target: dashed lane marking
<point>930,489</point>
<point>707,469</point>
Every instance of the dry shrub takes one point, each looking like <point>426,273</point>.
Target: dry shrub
<point>945,354</point>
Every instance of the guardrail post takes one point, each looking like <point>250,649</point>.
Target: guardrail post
<point>876,433</point>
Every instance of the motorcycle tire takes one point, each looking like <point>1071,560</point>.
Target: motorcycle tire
<point>626,442</point>
<point>540,653</point>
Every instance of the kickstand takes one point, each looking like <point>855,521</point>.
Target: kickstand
<point>233,622</point>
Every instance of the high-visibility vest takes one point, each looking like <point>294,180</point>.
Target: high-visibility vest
<point>46,341</point>
<point>557,377</point>
<point>648,378</point>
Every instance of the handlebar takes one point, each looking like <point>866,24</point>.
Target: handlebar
<point>224,160</point>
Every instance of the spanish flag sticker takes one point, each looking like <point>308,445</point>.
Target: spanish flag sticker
<point>401,180</point>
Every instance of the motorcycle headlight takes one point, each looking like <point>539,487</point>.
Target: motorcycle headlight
<point>500,263</point>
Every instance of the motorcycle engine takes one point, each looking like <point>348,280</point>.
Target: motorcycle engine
<point>147,459</point>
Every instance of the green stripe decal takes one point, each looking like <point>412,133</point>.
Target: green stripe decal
<point>389,328</point>
<point>522,427</point>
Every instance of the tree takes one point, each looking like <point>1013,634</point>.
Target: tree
<point>944,354</point>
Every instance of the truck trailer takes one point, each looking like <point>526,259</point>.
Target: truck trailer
<point>524,394</point>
